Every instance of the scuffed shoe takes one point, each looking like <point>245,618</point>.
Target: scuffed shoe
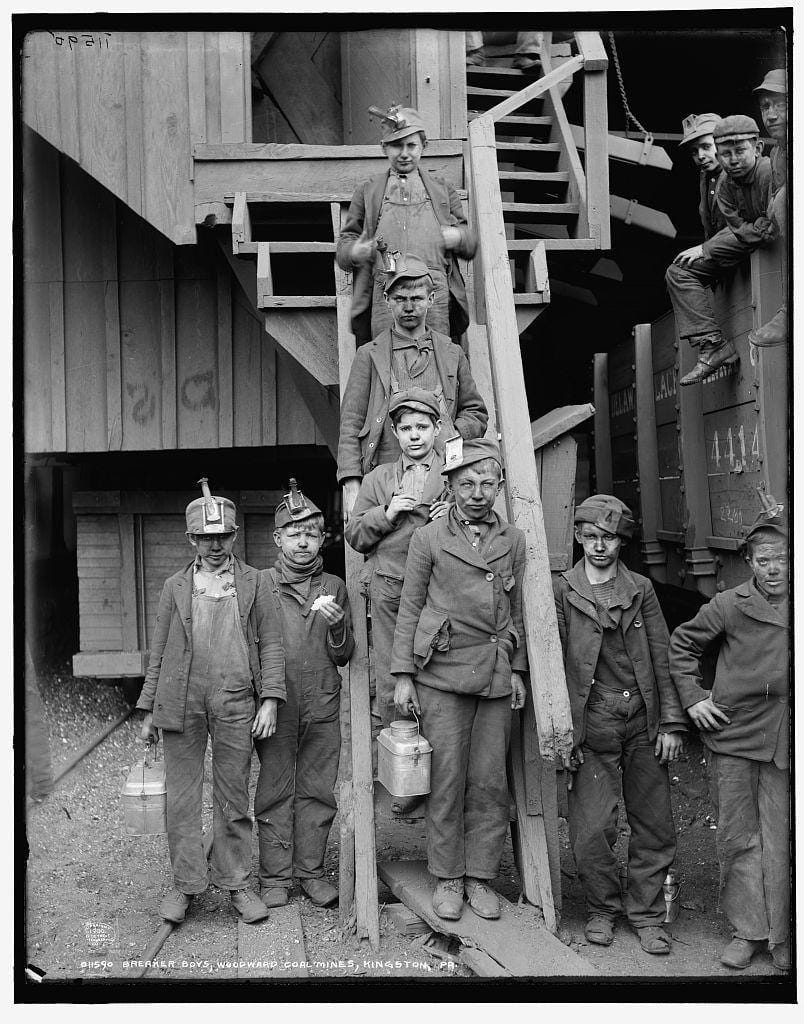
<point>711,356</point>
<point>654,940</point>
<point>476,59</point>
<point>738,953</point>
<point>448,898</point>
<point>174,905</point>
<point>525,61</point>
<point>403,805</point>
<point>321,893</point>
<point>780,955</point>
<point>248,905</point>
<point>482,899</point>
<point>275,895</point>
<point>599,930</point>
<point>771,334</point>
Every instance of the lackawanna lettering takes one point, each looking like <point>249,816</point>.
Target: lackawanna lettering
<point>665,384</point>
<point>622,402</point>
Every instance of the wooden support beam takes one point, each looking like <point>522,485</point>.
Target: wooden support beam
<point>545,656</point>
<point>591,48</point>
<point>568,156</point>
<point>653,553</point>
<point>633,212</point>
<point>535,89</point>
<point>628,151</point>
<point>557,422</point>
<point>241,221</point>
<point>265,281</point>
<point>537,278</point>
<point>357,672</point>
<point>346,850</point>
<point>596,124</point>
<point>603,468</point>
<point>128,583</point>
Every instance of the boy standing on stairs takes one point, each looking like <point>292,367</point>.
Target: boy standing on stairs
<point>460,633</point>
<point>627,724</point>
<point>410,354</point>
<point>743,196</point>
<point>294,802</point>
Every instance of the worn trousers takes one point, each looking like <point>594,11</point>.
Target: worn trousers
<point>226,716</point>
<point>467,808</point>
<point>384,595</point>
<point>752,799</point>
<point>690,287</point>
<point>619,758</point>
<point>294,802</point>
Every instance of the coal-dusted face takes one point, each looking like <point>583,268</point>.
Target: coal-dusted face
<point>214,548</point>
<point>600,548</point>
<point>404,154</point>
<point>299,542</point>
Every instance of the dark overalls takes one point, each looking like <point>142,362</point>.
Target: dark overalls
<point>294,802</point>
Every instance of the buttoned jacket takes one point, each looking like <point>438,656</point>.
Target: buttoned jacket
<point>644,634</point>
<point>365,401</point>
<point>165,689</point>
<point>363,216</point>
<point>744,202</point>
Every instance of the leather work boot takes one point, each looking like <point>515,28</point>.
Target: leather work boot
<point>773,333</point>
<point>713,353</point>
<point>248,905</point>
<point>781,956</point>
<point>321,893</point>
<point>738,953</point>
<point>174,905</point>
<point>274,895</point>
<point>448,898</point>
<point>525,61</point>
<point>482,899</point>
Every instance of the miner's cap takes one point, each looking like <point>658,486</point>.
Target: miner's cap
<point>607,513</point>
<point>295,508</point>
<point>771,518</point>
<point>459,453</point>
<point>400,122</point>
<point>695,126</point>
<point>416,399</point>
<point>774,81</point>
<point>211,515</point>
<point>735,128</point>
<point>407,267</point>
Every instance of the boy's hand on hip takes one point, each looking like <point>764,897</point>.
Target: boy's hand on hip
<point>147,729</point>
<point>405,697</point>
<point>265,720</point>
<point>518,694</point>
<point>669,746</point>
<point>688,256</point>
<point>707,715</point>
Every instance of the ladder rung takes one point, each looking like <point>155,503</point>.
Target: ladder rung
<point>250,248</point>
<point>534,176</point>
<point>474,90</point>
<point>560,209</point>
<point>529,147</point>
<point>297,301</point>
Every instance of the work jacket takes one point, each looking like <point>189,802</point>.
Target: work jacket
<point>459,626</point>
<point>644,634</point>
<point>165,689</point>
<point>752,678</point>
<point>744,205</point>
<point>363,216</point>
<point>711,215</point>
<point>365,401</point>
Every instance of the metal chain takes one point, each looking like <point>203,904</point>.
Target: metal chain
<point>628,114</point>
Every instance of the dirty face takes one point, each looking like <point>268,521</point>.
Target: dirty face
<point>600,548</point>
<point>769,563</point>
<point>738,158</point>
<point>416,433</point>
<point>773,107</point>
<point>404,154</point>
<point>409,303</point>
<point>214,548</point>
<point>704,153</point>
<point>475,488</point>
<point>299,542</point>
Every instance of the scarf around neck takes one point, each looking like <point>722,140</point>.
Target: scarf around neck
<point>299,578</point>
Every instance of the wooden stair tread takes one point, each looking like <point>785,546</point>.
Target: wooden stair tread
<point>517,120</point>
<point>490,71</point>
<point>529,147</point>
<point>476,90</point>
<point>534,176</point>
<point>561,209</point>
<point>551,244</point>
<point>251,248</point>
<point>529,298</point>
<point>297,301</point>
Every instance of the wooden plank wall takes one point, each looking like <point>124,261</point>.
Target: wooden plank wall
<point>131,343</point>
<point>129,106</point>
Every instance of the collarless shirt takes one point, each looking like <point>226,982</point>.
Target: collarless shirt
<point>213,582</point>
<point>414,476</point>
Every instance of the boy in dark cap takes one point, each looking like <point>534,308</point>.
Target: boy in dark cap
<point>459,632</point>
<point>743,196</point>
<point>772,99</point>
<point>215,645</point>
<point>627,725</point>
<point>745,722</point>
<point>294,802</point>
<point>700,144</point>
<point>408,355</point>
<point>412,213</point>
<point>394,500</point>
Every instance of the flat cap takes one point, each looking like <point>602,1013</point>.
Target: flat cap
<point>772,517</point>
<point>295,508</point>
<point>406,266</point>
<point>400,122</point>
<point>210,514</point>
<point>607,513</point>
<point>459,453</point>
<point>694,126</point>
<point>774,81</point>
<point>416,399</point>
<point>735,127</point>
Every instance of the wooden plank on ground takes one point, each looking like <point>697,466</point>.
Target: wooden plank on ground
<point>405,921</point>
<point>558,421</point>
<point>274,948</point>
<point>481,963</point>
<point>518,940</point>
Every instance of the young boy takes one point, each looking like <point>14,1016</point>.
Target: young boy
<point>394,500</point>
<point>294,802</point>
<point>744,722</point>
<point>743,196</point>
<point>627,724</point>
<point>459,632</point>
<point>216,643</point>
<point>408,355</point>
<point>700,144</point>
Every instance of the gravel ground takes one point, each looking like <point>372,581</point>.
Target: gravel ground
<point>92,892</point>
